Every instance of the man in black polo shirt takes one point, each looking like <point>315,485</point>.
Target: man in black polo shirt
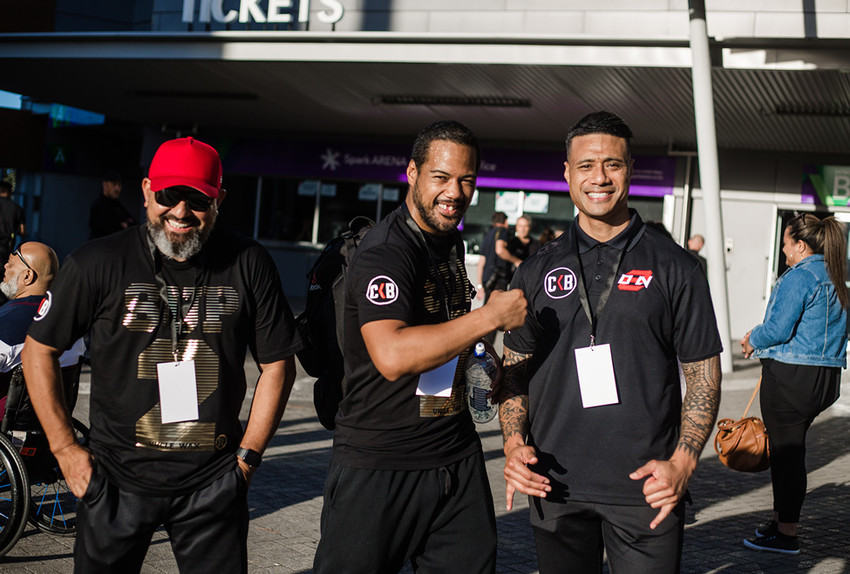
<point>595,427</point>
<point>407,479</point>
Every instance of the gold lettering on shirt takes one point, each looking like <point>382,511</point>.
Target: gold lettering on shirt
<point>430,406</point>
<point>144,313</point>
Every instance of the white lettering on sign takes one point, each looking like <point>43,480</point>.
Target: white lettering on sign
<point>841,185</point>
<point>251,7</point>
<point>277,11</point>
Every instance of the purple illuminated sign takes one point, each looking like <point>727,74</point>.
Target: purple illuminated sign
<point>526,170</point>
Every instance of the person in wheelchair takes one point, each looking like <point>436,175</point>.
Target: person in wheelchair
<point>38,491</point>
<point>28,273</point>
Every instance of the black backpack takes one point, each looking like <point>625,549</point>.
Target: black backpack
<point>321,323</point>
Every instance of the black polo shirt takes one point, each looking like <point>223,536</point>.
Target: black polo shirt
<point>659,308</point>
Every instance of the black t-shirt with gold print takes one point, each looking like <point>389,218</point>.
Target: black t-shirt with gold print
<point>384,424</point>
<point>230,300</point>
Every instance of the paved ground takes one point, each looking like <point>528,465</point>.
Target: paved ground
<point>285,500</point>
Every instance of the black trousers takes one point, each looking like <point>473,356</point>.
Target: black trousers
<point>441,519</point>
<point>208,528</point>
<point>571,537</point>
<point>791,397</point>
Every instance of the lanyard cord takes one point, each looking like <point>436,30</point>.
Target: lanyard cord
<point>593,317</point>
<point>182,308</point>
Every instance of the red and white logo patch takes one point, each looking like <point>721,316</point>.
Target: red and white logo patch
<point>382,290</point>
<point>44,307</point>
<point>559,282</point>
<point>634,280</point>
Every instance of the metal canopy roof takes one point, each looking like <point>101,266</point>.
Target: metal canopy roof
<point>783,96</point>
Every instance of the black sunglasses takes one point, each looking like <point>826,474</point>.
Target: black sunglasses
<point>195,200</point>
<point>24,261</point>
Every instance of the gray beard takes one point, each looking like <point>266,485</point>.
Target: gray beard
<point>10,290</point>
<point>179,251</point>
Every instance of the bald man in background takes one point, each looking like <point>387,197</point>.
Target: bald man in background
<point>28,273</point>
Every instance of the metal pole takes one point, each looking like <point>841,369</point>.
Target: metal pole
<point>685,224</point>
<point>315,237</point>
<point>380,202</point>
<point>709,173</point>
<point>257,207</point>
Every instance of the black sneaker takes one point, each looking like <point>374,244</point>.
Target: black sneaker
<point>769,528</point>
<point>777,543</point>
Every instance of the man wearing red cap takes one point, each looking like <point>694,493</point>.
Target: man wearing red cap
<point>172,307</point>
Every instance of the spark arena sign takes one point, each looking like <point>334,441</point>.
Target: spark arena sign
<point>276,12</point>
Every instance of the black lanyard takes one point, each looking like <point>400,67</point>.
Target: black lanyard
<point>593,317</point>
<point>446,295</point>
<point>182,307</point>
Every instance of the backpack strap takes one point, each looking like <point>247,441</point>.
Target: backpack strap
<point>357,229</point>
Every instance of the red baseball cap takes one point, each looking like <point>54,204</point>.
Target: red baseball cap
<point>189,162</point>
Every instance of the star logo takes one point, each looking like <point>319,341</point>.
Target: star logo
<point>330,159</point>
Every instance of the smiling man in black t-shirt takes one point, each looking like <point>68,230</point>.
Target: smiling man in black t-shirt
<point>172,307</point>
<point>407,478</point>
<point>595,427</point>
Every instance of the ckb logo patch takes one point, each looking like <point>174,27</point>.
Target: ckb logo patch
<point>382,290</point>
<point>559,282</point>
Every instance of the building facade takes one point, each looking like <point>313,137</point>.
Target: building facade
<point>313,105</point>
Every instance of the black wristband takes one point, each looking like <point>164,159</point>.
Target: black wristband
<point>251,457</point>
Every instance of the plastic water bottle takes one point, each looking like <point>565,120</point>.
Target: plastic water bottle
<point>480,374</point>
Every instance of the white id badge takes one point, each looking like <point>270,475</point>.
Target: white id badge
<point>178,391</point>
<point>596,376</point>
<point>438,382</point>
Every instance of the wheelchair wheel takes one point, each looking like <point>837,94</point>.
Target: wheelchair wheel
<point>53,507</point>
<point>13,486</point>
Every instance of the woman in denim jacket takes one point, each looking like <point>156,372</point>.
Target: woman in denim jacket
<point>802,346</point>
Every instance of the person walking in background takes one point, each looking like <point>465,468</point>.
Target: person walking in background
<point>522,245</point>
<point>495,260</point>
<point>546,236</point>
<point>173,306</point>
<point>802,344</point>
<point>107,214</point>
<point>407,479</point>
<point>695,245</point>
<point>11,221</point>
<point>595,428</point>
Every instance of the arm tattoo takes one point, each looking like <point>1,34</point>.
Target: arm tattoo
<point>513,411</point>
<point>699,407</point>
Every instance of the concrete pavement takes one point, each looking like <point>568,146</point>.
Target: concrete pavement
<point>286,501</point>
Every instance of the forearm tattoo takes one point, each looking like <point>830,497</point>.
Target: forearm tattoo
<point>699,407</point>
<point>513,411</point>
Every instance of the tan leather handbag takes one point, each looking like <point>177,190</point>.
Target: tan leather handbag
<point>742,445</point>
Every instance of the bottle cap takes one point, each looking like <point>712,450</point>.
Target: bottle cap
<point>480,349</point>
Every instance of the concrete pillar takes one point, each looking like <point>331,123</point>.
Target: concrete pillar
<point>709,173</point>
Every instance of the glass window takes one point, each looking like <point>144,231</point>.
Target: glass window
<point>352,199</point>
<point>237,211</point>
<point>650,209</point>
<point>559,213</point>
<point>286,209</point>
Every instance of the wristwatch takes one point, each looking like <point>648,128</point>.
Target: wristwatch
<point>251,457</point>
